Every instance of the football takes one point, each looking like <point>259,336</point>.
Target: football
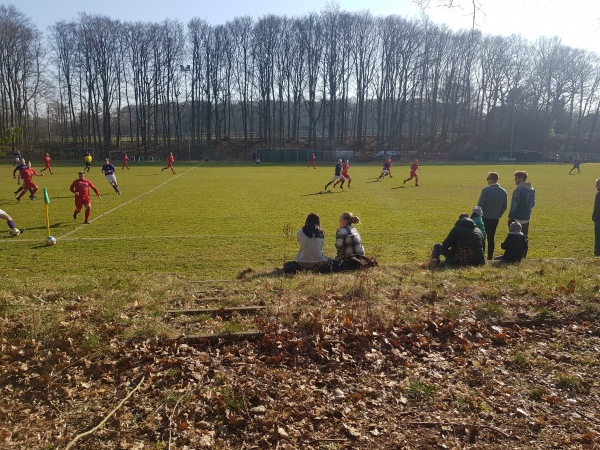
<point>14,232</point>
<point>50,241</point>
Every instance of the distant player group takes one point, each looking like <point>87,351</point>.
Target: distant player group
<point>341,175</point>
<point>80,187</point>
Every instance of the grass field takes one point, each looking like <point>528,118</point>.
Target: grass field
<point>212,220</point>
<point>83,321</point>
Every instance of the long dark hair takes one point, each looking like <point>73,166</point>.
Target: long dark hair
<point>312,226</point>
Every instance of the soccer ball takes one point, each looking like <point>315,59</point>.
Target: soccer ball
<point>14,232</point>
<point>50,241</point>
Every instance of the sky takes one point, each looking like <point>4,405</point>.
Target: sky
<point>576,22</point>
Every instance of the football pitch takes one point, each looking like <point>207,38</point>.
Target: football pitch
<point>212,220</point>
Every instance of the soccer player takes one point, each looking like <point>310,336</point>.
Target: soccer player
<point>22,165</point>
<point>4,215</point>
<point>385,170</point>
<point>345,173</point>
<point>313,158</point>
<point>17,157</point>
<point>109,172</point>
<point>390,162</point>
<point>576,164</point>
<point>337,175</point>
<point>28,185</point>
<point>81,188</point>
<point>87,159</point>
<point>413,172</point>
<point>170,161</point>
<point>125,161</point>
<point>47,160</point>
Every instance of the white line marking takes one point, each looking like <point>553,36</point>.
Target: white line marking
<point>126,203</point>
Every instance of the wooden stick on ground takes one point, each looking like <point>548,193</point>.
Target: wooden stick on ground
<point>464,425</point>
<point>97,427</point>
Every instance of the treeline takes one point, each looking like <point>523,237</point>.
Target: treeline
<point>326,80</point>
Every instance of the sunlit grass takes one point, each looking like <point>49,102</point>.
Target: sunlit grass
<point>145,249</point>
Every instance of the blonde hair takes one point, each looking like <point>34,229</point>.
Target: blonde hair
<point>350,218</point>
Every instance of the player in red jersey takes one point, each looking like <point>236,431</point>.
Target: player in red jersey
<point>313,158</point>
<point>170,161</point>
<point>81,188</point>
<point>47,160</point>
<point>345,173</point>
<point>125,161</point>
<point>28,185</point>
<point>413,172</point>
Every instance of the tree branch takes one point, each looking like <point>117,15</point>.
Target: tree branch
<point>97,427</point>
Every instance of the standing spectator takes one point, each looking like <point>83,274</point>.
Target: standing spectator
<point>462,247</point>
<point>258,158</point>
<point>493,201</point>
<point>523,201</point>
<point>596,219</point>
<point>413,172</point>
<point>576,164</point>
<point>313,158</point>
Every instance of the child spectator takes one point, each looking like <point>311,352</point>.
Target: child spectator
<point>477,217</point>
<point>515,245</point>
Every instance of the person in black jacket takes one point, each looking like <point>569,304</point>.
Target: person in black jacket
<point>515,245</point>
<point>462,247</point>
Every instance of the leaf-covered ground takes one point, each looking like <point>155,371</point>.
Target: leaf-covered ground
<point>331,374</point>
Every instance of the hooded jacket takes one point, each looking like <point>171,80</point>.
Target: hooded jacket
<point>464,244</point>
<point>515,247</point>
<point>523,200</point>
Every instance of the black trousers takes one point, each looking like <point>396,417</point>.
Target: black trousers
<point>490,230</point>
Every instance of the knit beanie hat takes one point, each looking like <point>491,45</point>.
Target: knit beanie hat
<point>515,227</point>
<point>478,211</point>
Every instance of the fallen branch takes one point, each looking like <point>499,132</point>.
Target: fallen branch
<point>171,423</point>
<point>97,427</point>
<point>213,339</point>
<point>219,311</point>
<point>464,425</point>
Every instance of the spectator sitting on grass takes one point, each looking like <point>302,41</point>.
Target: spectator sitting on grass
<point>515,245</point>
<point>462,247</point>
<point>347,239</point>
<point>311,238</point>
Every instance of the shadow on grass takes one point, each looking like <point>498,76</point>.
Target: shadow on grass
<point>324,193</point>
<point>54,225</point>
<point>374,180</point>
<point>399,187</point>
